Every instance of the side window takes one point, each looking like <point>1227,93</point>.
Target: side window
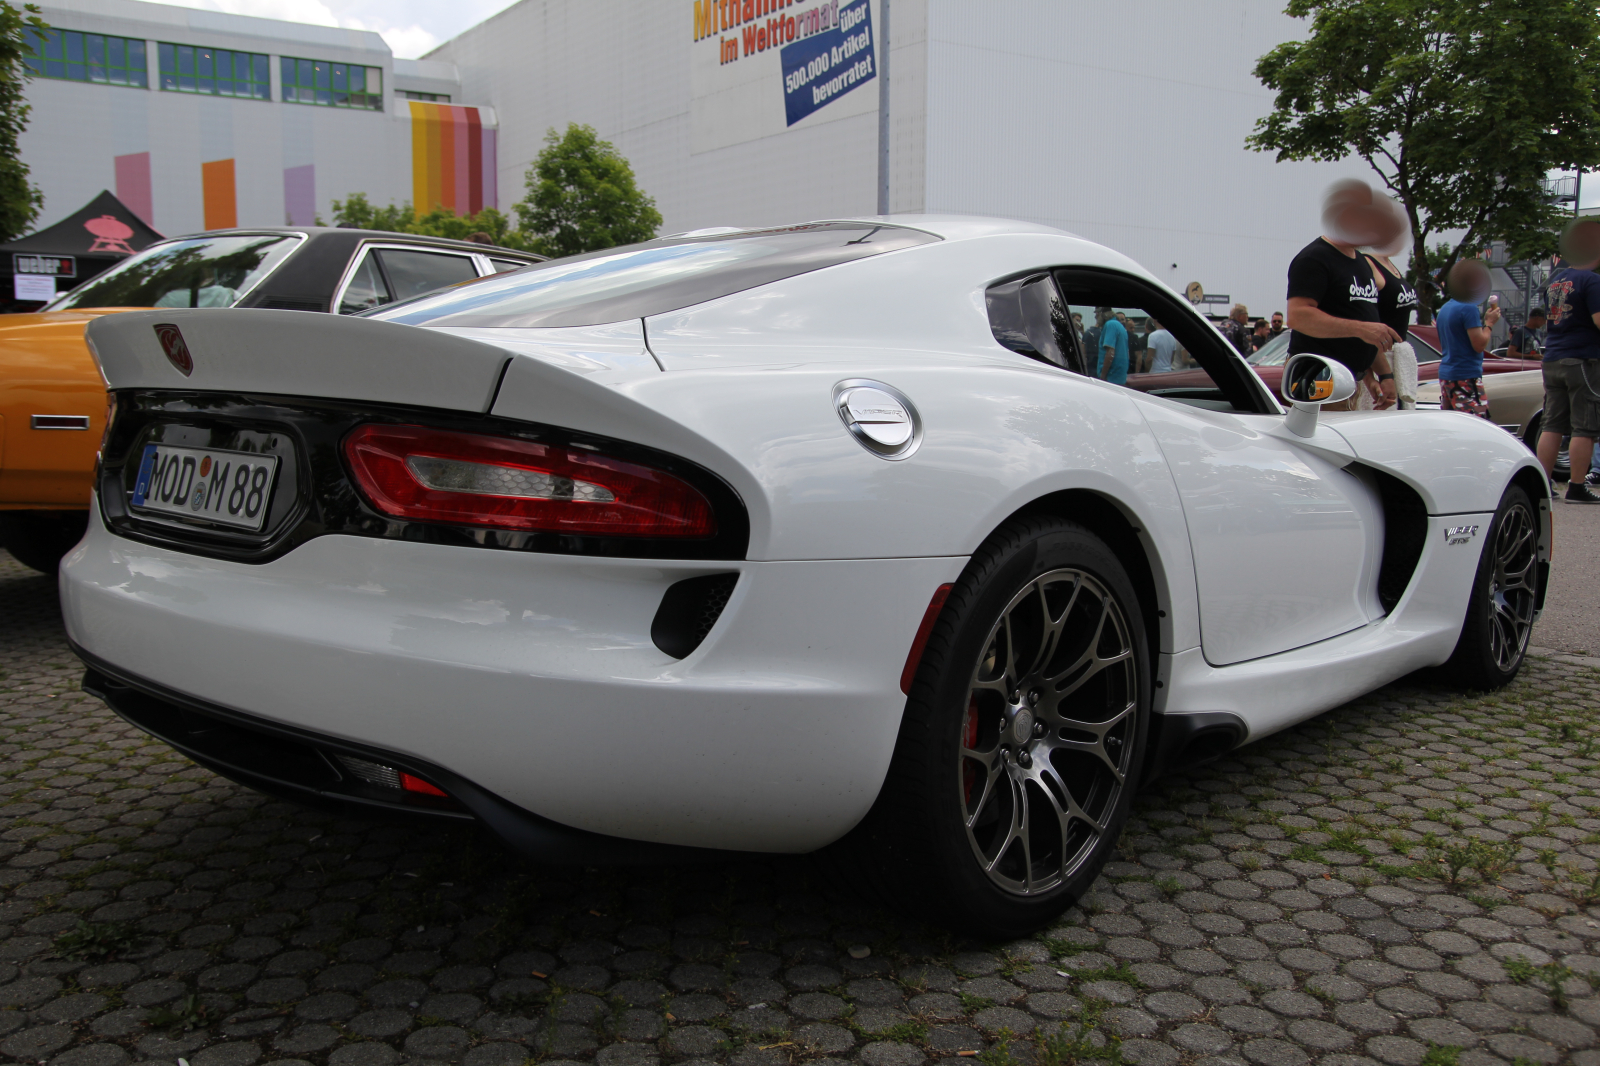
<point>412,273</point>
<point>503,265</point>
<point>1028,315</point>
<point>367,288</point>
<point>1135,335</point>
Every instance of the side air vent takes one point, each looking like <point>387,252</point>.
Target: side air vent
<point>1405,529</point>
<point>689,610</point>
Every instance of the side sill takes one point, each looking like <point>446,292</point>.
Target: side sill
<point>1190,740</point>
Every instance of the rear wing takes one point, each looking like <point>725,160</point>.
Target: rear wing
<point>295,353</point>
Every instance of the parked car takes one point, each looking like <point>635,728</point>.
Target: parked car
<point>52,398</point>
<point>767,541</point>
<point>1516,402</point>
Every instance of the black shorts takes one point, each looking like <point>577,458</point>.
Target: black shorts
<point>1571,397</point>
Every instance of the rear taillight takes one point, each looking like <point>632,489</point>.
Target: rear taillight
<point>435,475</point>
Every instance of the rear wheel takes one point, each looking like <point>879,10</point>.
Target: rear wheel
<point>1499,622</point>
<point>1530,433</point>
<point>1018,756</point>
<point>39,539</point>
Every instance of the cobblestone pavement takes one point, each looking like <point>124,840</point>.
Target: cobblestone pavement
<point>1408,880</point>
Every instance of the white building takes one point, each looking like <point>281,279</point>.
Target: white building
<point>1121,122</point>
<point>200,120</point>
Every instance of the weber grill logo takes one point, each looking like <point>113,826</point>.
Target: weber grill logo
<point>1454,535</point>
<point>173,345</point>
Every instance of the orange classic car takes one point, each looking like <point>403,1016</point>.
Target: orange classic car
<point>53,399</point>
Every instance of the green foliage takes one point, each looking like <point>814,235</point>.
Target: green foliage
<point>1441,1055</point>
<point>357,211</point>
<point>20,199</point>
<point>582,197</point>
<point>1461,107</point>
<point>1082,1041</point>
<point>183,1014</point>
<point>96,940</point>
<point>1552,977</point>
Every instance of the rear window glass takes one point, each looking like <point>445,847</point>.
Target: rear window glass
<point>636,281</point>
<point>202,272</point>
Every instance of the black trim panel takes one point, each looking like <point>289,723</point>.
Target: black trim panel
<point>1191,740</point>
<point>202,731</point>
<point>315,495</point>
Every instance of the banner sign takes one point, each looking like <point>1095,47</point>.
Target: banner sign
<point>820,68</point>
<point>59,266</point>
<point>759,67</point>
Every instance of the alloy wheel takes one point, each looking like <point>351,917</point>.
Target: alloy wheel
<point>1048,737</point>
<point>1512,592</point>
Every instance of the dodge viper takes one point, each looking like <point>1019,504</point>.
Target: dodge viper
<point>772,540</point>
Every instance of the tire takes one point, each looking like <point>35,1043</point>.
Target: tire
<point>969,773</point>
<point>1494,636</point>
<point>39,539</point>
<point>1530,433</point>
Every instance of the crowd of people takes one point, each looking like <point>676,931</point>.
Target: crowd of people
<point>1121,344</point>
<point>1349,303</point>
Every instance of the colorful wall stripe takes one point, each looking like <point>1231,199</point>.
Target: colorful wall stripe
<point>133,184</point>
<point>452,159</point>
<point>217,189</point>
<point>300,195</point>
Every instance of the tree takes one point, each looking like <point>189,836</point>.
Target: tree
<point>582,197</point>
<point>357,211</point>
<point>20,199</point>
<point>1462,107</point>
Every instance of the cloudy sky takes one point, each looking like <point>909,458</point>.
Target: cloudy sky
<point>411,27</point>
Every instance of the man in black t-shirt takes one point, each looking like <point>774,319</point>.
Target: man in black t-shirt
<point>1333,297</point>
<point>1524,340</point>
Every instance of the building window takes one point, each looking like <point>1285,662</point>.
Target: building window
<point>427,98</point>
<point>95,57</point>
<point>216,71</point>
<point>316,81</point>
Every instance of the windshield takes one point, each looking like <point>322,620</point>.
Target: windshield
<point>636,281</point>
<point>1273,353</point>
<point>197,272</point>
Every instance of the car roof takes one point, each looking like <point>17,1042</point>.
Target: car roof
<point>315,232</point>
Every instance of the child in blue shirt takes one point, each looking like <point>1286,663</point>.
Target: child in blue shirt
<point>1464,334</point>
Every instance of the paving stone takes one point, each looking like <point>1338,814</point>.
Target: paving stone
<point>1240,953</point>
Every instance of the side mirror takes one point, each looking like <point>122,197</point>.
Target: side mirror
<point>1309,381</point>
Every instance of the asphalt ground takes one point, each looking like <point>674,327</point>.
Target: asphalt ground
<point>1571,619</point>
<point>1410,879</point>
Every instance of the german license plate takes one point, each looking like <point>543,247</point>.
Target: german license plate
<point>229,488</point>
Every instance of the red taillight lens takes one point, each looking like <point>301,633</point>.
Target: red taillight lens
<point>435,475</point>
<point>413,783</point>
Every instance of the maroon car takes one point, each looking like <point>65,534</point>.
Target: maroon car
<point>1268,364</point>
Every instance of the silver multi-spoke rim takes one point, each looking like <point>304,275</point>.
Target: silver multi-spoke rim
<point>1511,588</point>
<point>1048,735</point>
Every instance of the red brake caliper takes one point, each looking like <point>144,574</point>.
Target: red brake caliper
<point>969,739</point>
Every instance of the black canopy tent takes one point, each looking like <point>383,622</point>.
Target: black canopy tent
<point>83,244</point>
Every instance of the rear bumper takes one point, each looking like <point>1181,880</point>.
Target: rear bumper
<point>302,765</point>
<point>534,677</point>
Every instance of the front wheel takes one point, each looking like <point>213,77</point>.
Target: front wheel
<point>1019,752</point>
<point>1499,622</point>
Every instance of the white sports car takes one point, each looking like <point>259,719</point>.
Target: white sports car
<point>765,540</point>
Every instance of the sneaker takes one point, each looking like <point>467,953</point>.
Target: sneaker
<point>1593,478</point>
<point>1579,493</point>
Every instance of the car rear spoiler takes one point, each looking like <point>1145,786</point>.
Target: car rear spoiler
<point>295,353</point>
